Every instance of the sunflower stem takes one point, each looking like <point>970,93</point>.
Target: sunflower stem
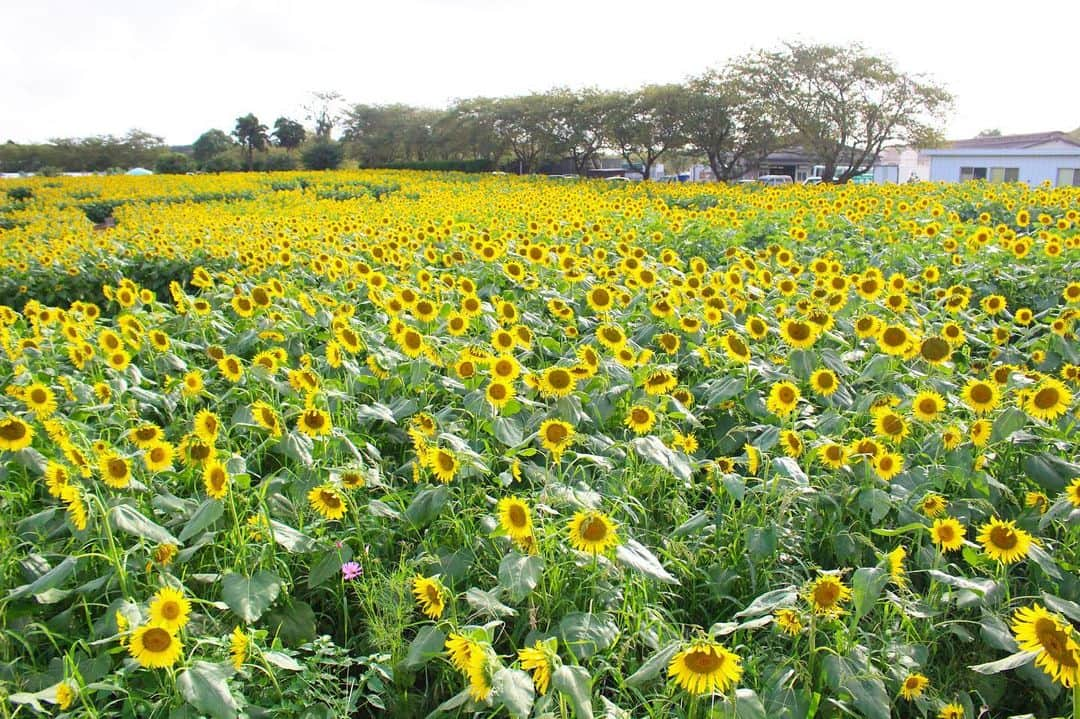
<point>1076,700</point>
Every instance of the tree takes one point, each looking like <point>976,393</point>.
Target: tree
<point>522,124</point>
<point>645,124</point>
<point>467,131</point>
<point>324,112</point>
<point>172,163</point>
<point>575,124</point>
<point>323,156</point>
<point>841,103</point>
<point>288,133</point>
<point>251,135</point>
<point>210,144</point>
<point>725,125</point>
<point>991,132</point>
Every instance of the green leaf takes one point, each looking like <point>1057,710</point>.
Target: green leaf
<point>487,603</point>
<point>1002,665</point>
<point>290,539</point>
<point>761,542</point>
<point>429,643</point>
<point>207,513</point>
<point>378,412</point>
<point>508,431</point>
<point>896,531</point>
<point>297,446</point>
<point>652,449</point>
<point>877,502</point>
<point>1050,472</point>
<point>1063,606</point>
<point>514,689</point>
<point>49,580</point>
<point>802,363</point>
<point>866,586</point>
<point>283,660</point>
<point>745,705</point>
<point>519,574</point>
<point>329,565</point>
<point>981,587</point>
<point>294,624</point>
<point>250,598</point>
<point>128,519</point>
<point>791,469</point>
<point>585,633</point>
<point>638,557</point>
<point>655,664</point>
<point>1009,421</point>
<point>206,688</point>
<point>769,601</point>
<point>1044,561</point>
<point>573,683</point>
<point>426,506</point>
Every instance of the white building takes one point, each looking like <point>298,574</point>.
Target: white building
<point>1052,157</point>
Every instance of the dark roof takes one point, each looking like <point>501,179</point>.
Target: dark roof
<point>1013,142</point>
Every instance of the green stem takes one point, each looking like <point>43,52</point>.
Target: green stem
<point>1076,700</point>
<point>114,552</point>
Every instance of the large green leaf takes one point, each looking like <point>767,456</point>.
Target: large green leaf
<point>654,665</point>
<point>207,513</point>
<point>428,644</point>
<point>1012,661</point>
<point>128,519</point>
<point>514,689</point>
<point>652,449</point>
<point>866,586</point>
<point>426,505</point>
<point>586,633</point>
<point>250,597</point>
<point>519,574</point>
<point>206,688</point>
<point>636,556</point>
<point>574,683</point>
<point>293,624</point>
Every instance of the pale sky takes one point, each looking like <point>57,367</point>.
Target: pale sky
<point>78,67</point>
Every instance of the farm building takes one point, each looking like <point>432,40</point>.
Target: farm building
<point>1052,157</point>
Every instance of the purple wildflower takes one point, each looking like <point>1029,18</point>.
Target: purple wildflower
<point>351,570</point>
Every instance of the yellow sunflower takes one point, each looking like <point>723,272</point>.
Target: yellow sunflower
<point>443,464</point>
<point>1004,541</point>
<point>888,464</point>
<point>1053,638</point>
<point>1072,491</point>
<point>515,518</point>
<point>927,405</point>
<point>215,479</point>
<point>556,436</point>
<point>783,398</point>
<point>789,621</point>
<point>327,501</point>
<point>499,393</point>
<point>115,470</point>
<point>981,396</point>
<point>705,667</point>
<point>170,609</point>
<point>238,647</point>
<point>266,417</point>
<point>593,532</point>
<point>557,382</point>
<point>154,646</point>
<point>538,660</point>
<point>660,382</point>
<point>1048,401</point>
<point>825,595</point>
<point>15,434</point>
<point>314,422</point>
<point>430,595</point>
<point>40,400</point>
<point>824,382</point>
<point>158,457</point>
<point>948,534</point>
<point>207,426</point>
<point>913,686</point>
<point>798,334</point>
<point>640,419</point>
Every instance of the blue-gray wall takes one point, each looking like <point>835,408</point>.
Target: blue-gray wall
<point>1034,168</point>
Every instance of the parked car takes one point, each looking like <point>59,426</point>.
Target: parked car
<point>775,180</point>
<point>812,180</point>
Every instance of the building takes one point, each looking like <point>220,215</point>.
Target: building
<point>901,164</point>
<point>1052,157</point>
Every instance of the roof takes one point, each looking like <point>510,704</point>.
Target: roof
<point>1013,142</point>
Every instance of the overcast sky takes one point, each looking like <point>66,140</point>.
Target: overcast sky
<point>74,68</point>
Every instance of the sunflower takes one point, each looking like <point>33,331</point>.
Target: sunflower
<point>888,464</point>
<point>15,434</point>
<point>430,595</point>
<point>948,534</point>
<point>215,479</point>
<point>826,593</point>
<point>593,532</point>
<point>538,660</point>
<point>913,686</point>
<point>824,382</point>
<point>660,382</point>
<point>158,457</point>
<point>896,565</point>
<point>1048,401</point>
<point>932,505</point>
<point>640,419</point>
<point>789,621</point>
<point>192,384</point>
<point>792,443</point>
<point>557,382</point>
<point>327,501</point>
<point>115,470</point>
<point>231,367</point>
<point>515,518</point>
<point>314,422</point>
<point>65,695</point>
<point>499,393</point>
<point>611,336</point>
<point>207,426</point>
<point>155,647</point>
<point>894,340</point>
<point>798,334</point>
<point>1054,640</point>
<point>735,348</point>
<point>783,398</point>
<point>556,436</point>
<point>980,432</point>
<point>705,667</point>
<point>981,396</point>
<point>935,350</point>
<point>146,435</point>
<point>833,455</point>
<point>170,609</point>
<point>927,405</point>
<point>238,647</point>
<point>1004,541</point>
<point>1072,491</point>
<point>40,400</point>
<point>600,299</point>
<point>442,463</point>
<point>266,417</point>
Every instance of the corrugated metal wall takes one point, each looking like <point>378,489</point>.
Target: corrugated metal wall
<point>1033,169</point>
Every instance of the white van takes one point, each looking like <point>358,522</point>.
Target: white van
<point>775,180</point>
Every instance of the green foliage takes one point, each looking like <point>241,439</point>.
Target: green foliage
<point>173,163</point>
<point>323,156</point>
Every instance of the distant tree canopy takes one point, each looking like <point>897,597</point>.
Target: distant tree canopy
<point>841,105</point>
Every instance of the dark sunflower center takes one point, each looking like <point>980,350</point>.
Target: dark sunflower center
<point>117,468</point>
<point>894,336</point>
<point>1003,538</point>
<point>330,499</point>
<point>798,330</point>
<point>559,379</point>
<point>981,393</point>
<point>156,639</point>
<point>556,433</point>
<point>170,609</point>
<point>12,431</point>
<point>703,661</point>
<point>1047,398</point>
<point>517,516</point>
<point>787,395</point>
<point>737,346</point>
<point>825,595</point>
<point>593,529</point>
<point>314,420</point>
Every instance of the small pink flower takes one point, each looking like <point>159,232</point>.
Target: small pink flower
<point>351,571</point>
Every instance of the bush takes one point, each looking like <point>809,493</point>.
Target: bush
<point>279,162</point>
<point>225,162</point>
<point>440,166</point>
<point>18,194</point>
<point>323,156</point>
<point>172,163</point>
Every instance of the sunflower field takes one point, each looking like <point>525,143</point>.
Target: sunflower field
<point>426,444</point>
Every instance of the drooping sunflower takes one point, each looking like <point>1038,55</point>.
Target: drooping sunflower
<point>515,518</point>
<point>705,667</point>
<point>593,532</point>
<point>314,422</point>
<point>1004,541</point>
<point>155,647</point>
<point>170,609</point>
<point>207,426</point>
<point>913,686</point>
<point>238,647</point>
<point>896,565</point>
<point>146,435</point>
<point>15,434</point>
<point>825,595</point>
<point>789,621</point>
<point>640,419</point>
<point>1048,401</point>
<point>660,382</point>
<point>1072,492</point>
<point>981,396</point>
<point>948,534</point>
<point>556,436</point>
<point>266,417</point>
<point>735,347</point>
<point>443,464</point>
<point>1053,638</point>
<point>327,501</point>
<point>215,479</point>
<point>951,711</point>
<point>538,660</point>
<point>783,398</point>
<point>430,595</point>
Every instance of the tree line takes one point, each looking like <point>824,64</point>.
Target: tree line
<point>842,105</point>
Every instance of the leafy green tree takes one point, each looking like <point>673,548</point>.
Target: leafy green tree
<point>288,134</point>
<point>726,125</point>
<point>575,124</point>
<point>841,103</point>
<point>324,113</point>
<point>172,163</point>
<point>645,124</point>
<point>251,135</point>
<point>323,156</point>
<point>210,143</point>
